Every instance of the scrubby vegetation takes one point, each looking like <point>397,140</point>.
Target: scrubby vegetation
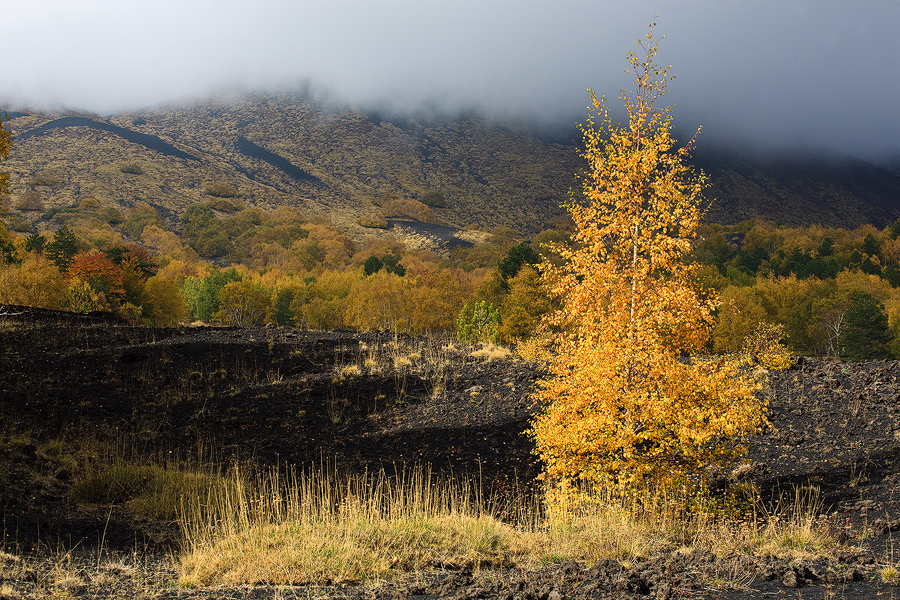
<point>825,286</point>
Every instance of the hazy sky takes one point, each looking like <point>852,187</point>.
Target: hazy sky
<point>788,74</point>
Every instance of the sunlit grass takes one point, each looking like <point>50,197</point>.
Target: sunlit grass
<point>320,526</point>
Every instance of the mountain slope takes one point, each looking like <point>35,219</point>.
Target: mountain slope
<point>286,150</point>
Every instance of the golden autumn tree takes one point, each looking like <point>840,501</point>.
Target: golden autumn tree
<point>626,400</point>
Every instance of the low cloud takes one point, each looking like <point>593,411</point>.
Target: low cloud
<point>819,75</point>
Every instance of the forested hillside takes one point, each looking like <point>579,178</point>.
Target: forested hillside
<point>271,209</point>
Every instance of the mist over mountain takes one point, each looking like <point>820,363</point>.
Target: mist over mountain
<point>808,75</point>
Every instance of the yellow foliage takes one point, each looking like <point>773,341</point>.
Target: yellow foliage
<point>243,304</point>
<point>739,315</point>
<point>435,299</point>
<point>168,305</point>
<point>764,347</point>
<point>622,405</point>
<point>37,282</point>
<point>378,302</point>
<point>523,307</point>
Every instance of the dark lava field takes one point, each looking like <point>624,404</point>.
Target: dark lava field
<point>278,396</point>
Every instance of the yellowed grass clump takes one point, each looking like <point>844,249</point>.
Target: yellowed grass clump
<point>313,527</point>
<point>489,352</point>
<point>319,526</point>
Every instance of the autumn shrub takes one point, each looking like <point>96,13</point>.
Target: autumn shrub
<point>323,305</point>
<point>99,272</point>
<point>139,217</point>
<point>407,209</point>
<point>89,204</point>
<point>765,347</point>
<point>36,283</point>
<point>243,304</point>
<point>379,302</point>
<point>167,305</point>
<point>630,400</point>
<point>373,219</point>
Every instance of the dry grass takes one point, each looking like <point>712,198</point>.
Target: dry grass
<point>151,491</point>
<point>489,352</point>
<point>320,526</point>
<point>431,360</point>
<point>73,574</point>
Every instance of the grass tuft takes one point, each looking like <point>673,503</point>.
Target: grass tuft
<point>151,491</point>
<point>317,526</point>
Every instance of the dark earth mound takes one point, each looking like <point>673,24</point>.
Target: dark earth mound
<point>368,400</point>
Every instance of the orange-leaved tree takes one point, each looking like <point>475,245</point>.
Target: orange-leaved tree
<point>98,271</point>
<point>628,400</point>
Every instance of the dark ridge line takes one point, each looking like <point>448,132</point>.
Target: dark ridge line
<point>149,141</point>
<point>248,148</point>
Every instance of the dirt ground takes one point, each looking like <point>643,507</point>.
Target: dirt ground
<point>371,400</point>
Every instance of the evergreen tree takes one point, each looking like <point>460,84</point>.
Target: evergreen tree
<point>372,265</point>
<point>865,334</point>
<point>35,243</point>
<point>521,254</point>
<point>62,250</point>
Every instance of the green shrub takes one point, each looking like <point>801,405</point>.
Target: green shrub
<point>481,323</point>
<point>223,204</point>
<point>111,215</point>
<point>132,169</point>
<point>221,190</point>
<point>48,180</point>
<point>17,223</point>
<point>436,199</point>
